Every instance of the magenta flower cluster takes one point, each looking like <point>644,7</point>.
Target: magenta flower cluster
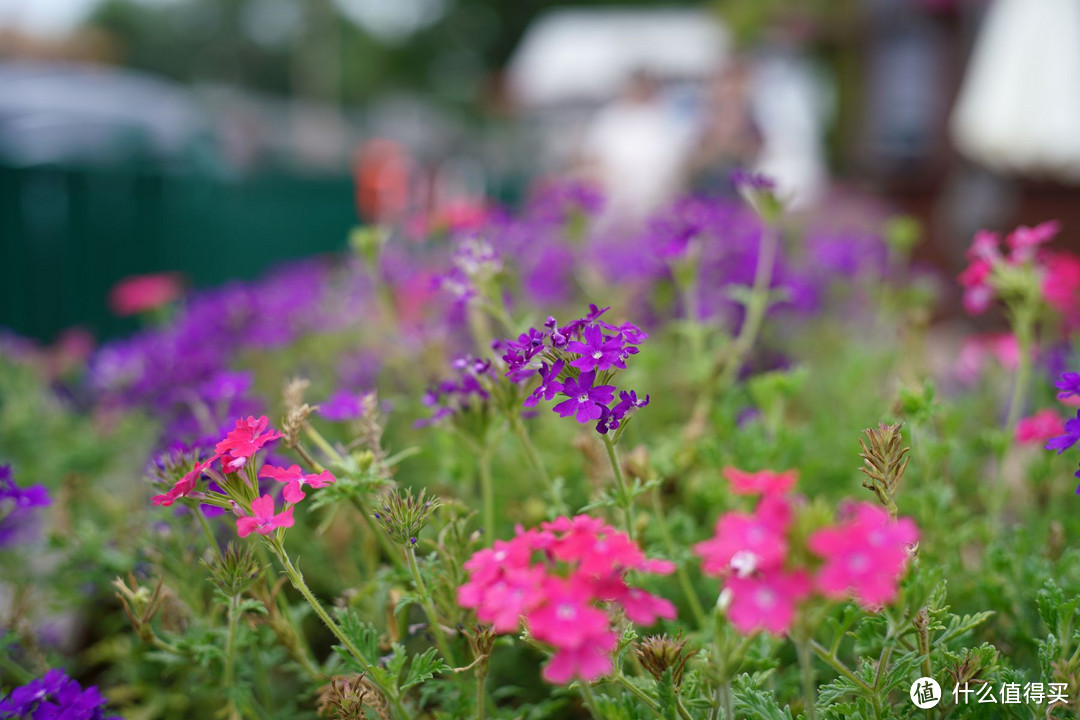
<point>233,454</point>
<point>863,556</point>
<point>54,696</point>
<point>564,581</point>
<point>574,363</point>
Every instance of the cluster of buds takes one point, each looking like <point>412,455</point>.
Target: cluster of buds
<point>404,516</point>
<point>884,462</point>
<point>660,653</point>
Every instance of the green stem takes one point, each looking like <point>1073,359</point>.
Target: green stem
<point>208,533</point>
<point>729,361</point>
<point>680,569</point>
<point>429,608</point>
<point>388,547</point>
<point>638,693</point>
<point>840,667</point>
<point>1023,329</point>
<point>481,698</point>
<point>297,580</point>
<point>806,672</point>
<point>487,492</point>
<point>683,712</point>
<point>230,652</point>
<point>624,491</point>
<point>727,701</point>
<point>21,674</point>
<point>534,457</point>
<point>590,700</point>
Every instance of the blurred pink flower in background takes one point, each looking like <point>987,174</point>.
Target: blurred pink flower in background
<point>141,293</point>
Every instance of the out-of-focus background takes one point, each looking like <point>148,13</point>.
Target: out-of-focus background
<point>214,138</point>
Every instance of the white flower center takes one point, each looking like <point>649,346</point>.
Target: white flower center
<point>566,612</point>
<point>765,598</point>
<point>744,563</point>
<point>582,398</point>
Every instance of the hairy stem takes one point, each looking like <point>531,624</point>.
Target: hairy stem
<point>624,492</point>
<point>429,607</point>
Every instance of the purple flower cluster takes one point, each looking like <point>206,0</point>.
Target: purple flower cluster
<point>1069,385</point>
<point>576,361</point>
<point>453,397</point>
<point>54,696</point>
<point>16,507</point>
<point>474,263</point>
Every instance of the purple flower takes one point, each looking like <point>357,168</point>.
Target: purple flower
<point>745,180</point>
<point>583,400</point>
<point>597,352</point>
<point>1069,384</point>
<point>549,384</point>
<point>16,505</point>
<point>54,696</point>
<point>342,405</point>
<point>629,401</point>
<point>1061,443</point>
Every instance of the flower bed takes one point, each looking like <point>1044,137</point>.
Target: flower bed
<point>525,466</point>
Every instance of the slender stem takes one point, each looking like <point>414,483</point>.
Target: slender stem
<point>729,361</point>
<point>680,569</point>
<point>727,701</point>
<point>806,672</point>
<point>429,607</point>
<point>1023,329</point>
<point>481,697</point>
<point>297,580</point>
<point>638,692</point>
<point>208,533</point>
<point>388,548</point>
<point>530,451</point>
<point>590,700</point>
<point>21,674</point>
<point>487,491</point>
<point>324,445</point>
<point>624,491</point>
<point>840,667</point>
<point>230,652</point>
<point>683,712</point>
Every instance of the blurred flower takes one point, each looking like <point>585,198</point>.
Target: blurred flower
<point>865,554</point>
<point>1040,427</point>
<point>746,543</point>
<point>142,293</point>
<point>763,482</point>
<point>564,580</point>
<point>766,601</point>
<point>54,696</point>
<point>16,506</point>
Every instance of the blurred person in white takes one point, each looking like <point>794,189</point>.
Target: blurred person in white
<point>1019,106</point>
<point>636,149</point>
<point>728,137</point>
<point>792,101</point>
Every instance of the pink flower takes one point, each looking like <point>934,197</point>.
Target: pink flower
<point>563,581</point>
<point>763,482</point>
<point>1002,347</point>
<point>505,599</point>
<point>748,542</point>
<point>262,519</point>
<point>566,618</point>
<point>766,601</point>
<point>295,479</point>
<point>1061,286</point>
<point>1040,427</point>
<point>184,485</point>
<point>244,441</point>
<point>140,293</point>
<point>865,555</point>
<point>1024,240</point>
<point>589,661</point>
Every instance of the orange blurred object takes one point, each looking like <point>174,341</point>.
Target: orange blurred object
<point>381,172</point>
